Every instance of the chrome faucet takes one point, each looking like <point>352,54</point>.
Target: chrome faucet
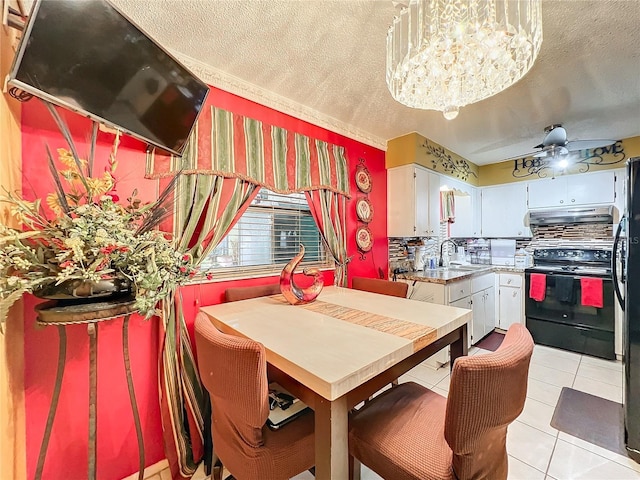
<point>455,245</point>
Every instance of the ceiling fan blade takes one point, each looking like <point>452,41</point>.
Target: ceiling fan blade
<point>542,154</point>
<point>588,144</point>
<point>557,136</point>
<point>524,155</point>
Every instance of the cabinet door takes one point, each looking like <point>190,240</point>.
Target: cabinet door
<point>592,188</point>
<point>433,225</point>
<point>465,303</point>
<point>467,222</point>
<point>489,310</point>
<point>510,307</point>
<point>421,202</point>
<point>477,212</point>
<point>550,192</point>
<point>503,211</point>
<point>621,196</point>
<point>478,307</point>
<point>401,202</point>
<point>427,292</point>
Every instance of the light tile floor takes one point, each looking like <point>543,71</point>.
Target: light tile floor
<point>536,450</point>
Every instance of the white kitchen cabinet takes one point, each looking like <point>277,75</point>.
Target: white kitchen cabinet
<point>483,305</point>
<point>477,212</point>
<point>573,190</point>
<point>455,294</point>
<point>413,202</point>
<point>467,220</point>
<point>511,300</point>
<point>504,208</point>
<point>621,196</point>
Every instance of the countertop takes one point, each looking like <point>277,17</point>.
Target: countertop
<point>444,276</point>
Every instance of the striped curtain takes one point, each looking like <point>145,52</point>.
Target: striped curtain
<point>447,206</point>
<point>329,211</point>
<point>235,146</point>
<point>207,207</point>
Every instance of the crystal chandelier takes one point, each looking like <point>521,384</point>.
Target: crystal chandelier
<point>445,54</point>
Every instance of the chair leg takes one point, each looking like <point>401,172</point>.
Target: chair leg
<point>216,471</point>
<point>354,468</point>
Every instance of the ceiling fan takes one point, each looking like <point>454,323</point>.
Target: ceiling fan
<point>555,144</point>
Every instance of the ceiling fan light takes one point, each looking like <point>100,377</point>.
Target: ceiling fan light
<point>563,163</point>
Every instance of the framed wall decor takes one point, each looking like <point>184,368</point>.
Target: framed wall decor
<point>363,179</point>
<point>364,238</point>
<point>364,210</point>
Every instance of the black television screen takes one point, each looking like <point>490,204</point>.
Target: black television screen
<point>87,56</point>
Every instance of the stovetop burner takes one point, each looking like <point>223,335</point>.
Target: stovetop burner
<point>578,270</point>
<point>577,261</point>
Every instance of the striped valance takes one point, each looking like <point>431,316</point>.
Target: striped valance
<point>231,145</point>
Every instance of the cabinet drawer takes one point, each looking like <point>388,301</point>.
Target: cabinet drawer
<point>482,282</point>
<point>458,290</point>
<point>510,280</point>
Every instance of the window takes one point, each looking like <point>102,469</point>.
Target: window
<point>266,238</point>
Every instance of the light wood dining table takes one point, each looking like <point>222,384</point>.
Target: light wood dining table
<point>339,350</point>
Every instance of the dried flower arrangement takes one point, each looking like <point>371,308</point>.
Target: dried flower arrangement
<point>86,236</point>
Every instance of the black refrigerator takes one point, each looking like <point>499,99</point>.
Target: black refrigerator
<point>626,258</point>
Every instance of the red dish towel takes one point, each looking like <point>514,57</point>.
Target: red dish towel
<point>591,292</point>
<point>538,286</point>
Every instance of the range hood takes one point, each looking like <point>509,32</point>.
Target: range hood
<point>602,214</point>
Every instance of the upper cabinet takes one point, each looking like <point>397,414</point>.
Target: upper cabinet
<point>503,211</point>
<point>413,202</point>
<point>571,190</point>
<point>467,209</point>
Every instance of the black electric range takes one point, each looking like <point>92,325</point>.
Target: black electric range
<point>561,319</point>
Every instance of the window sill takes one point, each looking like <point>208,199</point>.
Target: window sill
<point>247,276</point>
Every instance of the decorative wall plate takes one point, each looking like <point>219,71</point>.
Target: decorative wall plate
<point>364,210</point>
<point>363,179</point>
<point>364,238</point>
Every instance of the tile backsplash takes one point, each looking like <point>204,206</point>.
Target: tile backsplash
<point>573,231</point>
<point>590,235</point>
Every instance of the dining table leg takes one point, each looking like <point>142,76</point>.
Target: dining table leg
<point>331,438</point>
<point>459,347</point>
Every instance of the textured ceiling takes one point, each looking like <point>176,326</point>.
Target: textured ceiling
<point>324,61</point>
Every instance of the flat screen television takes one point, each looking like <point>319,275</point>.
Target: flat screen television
<point>87,56</point>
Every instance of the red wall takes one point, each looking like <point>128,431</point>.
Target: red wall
<point>117,447</point>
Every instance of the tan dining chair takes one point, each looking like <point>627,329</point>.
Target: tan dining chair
<point>234,372</point>
<point>411,433</point>
<point>377,285</point>
<point>244,293</point>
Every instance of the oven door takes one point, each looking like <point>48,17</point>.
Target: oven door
<point>569,324</point>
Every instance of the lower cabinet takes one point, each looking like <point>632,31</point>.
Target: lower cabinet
<point>483,304</point>
<point>476,294</point>
<point>510,303</point>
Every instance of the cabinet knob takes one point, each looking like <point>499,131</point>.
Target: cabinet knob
<point>561,201</point>
<point>514,294</point>
<point>519,233</point>
<point>508,281</point>
<point>573,200</point>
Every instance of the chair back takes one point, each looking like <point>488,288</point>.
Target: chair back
<point>377,285</point>
<point>244,293</point>
<point>234,372</point>
<point>487,392</point>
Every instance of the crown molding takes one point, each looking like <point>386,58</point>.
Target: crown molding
<point>237,86</point>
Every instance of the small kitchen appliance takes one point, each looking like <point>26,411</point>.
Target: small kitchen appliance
<point>503,252</point>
